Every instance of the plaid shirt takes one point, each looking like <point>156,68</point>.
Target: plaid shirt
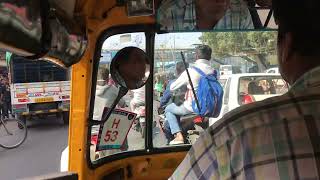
<point>236,17</point>
<point>181,15</point>
<point>277,138</point>
<point>177,15</point>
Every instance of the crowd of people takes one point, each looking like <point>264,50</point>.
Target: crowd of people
<point>5,96</point>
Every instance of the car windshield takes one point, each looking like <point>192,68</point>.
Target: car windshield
<point>245,55</point>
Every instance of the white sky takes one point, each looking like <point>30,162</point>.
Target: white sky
<point>169,40</point>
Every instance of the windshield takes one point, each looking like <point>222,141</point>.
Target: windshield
<point>235,59</point>
<point>237,56</point>
<point>121,133</point>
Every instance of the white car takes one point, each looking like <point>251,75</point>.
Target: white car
<point>273,70</point>
<point>241,89</point>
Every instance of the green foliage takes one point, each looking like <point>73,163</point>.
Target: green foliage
<point>241,43</point>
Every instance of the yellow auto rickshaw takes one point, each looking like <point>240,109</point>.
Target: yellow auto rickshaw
<point>88,35</point>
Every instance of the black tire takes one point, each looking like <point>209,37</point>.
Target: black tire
<point>15,129</point>
<point>22,118</point>
<point>65,117</point>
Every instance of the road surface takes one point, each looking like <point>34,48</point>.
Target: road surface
<point>39,154</point>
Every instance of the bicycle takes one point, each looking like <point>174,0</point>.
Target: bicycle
<point>13,132</point>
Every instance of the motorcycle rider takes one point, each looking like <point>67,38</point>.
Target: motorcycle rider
<point>105,94</point>
<point>169,97</point>
<point>138,98</point>
<point>167,94</point>
<point>203,56</point>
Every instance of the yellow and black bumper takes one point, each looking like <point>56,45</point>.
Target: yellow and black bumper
<point>50,111</point>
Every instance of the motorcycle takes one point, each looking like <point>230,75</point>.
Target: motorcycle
<point>191,125</point>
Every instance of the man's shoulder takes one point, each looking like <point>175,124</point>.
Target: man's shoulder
<point>206,68</point>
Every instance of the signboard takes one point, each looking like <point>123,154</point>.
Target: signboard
<point>113,133</point>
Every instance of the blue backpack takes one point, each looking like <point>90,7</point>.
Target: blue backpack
<point>209,94</point>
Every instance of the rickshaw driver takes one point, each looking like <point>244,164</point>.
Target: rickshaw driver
<point>277,138</point>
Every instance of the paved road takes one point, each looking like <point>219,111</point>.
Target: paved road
<point>159,140</point>
<point>39,154</point>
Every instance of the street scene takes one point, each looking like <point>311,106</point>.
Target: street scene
<point>159,89</point>
<point>36,102</point>
<point>39,154</point>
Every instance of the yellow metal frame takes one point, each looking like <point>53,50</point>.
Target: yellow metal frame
<point>162,164</point>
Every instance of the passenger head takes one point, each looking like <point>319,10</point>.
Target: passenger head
<point>252,86</point>
<point>298,36</point>
<point>203,52</point>
<point>180,68</point>
<point>103,76</point>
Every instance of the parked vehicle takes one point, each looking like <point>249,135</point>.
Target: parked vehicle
<point>241,89</point>
<point>192,125</point>
<point>42,89</point>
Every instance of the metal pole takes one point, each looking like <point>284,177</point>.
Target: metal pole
<point>190,82</point>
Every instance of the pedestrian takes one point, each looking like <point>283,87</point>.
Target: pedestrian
<point>1,97</point>
<point>6,106</point>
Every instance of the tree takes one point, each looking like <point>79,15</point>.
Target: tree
<point>253,46</point>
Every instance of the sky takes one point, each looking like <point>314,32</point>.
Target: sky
<point>169,40</point>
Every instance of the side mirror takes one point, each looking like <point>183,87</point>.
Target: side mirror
<point>130,68</point>
<point>41,28</point>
